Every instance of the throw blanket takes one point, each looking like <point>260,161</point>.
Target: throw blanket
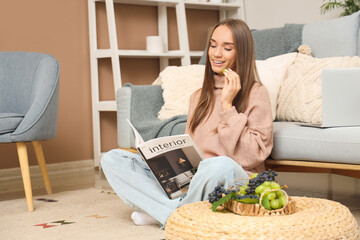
<point>146,101</point>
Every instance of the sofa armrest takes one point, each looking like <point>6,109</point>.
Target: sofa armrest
<point>139,104</point>
<point>124,132</point>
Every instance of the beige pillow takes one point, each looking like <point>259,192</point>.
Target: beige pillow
<point>300,93</point>
<point>271,72</point>
<point>178,83</point>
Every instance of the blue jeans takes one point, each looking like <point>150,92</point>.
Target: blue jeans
<point>131,179</point>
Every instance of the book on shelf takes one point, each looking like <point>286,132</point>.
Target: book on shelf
<point>172,160</point>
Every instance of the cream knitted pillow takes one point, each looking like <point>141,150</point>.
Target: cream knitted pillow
<point>178,83</point>
<point>271,72</point>
<point>300,93</point>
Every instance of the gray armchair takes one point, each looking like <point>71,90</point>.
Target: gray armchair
<point>29,93</point>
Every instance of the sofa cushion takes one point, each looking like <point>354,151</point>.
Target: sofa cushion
<point>178,83</point>
<point>272,42</point>
<point>277,41</point>
<point>295,142</point>
<point>271,72</point>
<point>300,93</point>
<point>9,122</point>
<point>332,38</point>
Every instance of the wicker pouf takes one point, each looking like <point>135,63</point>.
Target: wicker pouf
<point>314,218</point>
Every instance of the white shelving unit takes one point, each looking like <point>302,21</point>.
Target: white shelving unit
<point>226,10</point>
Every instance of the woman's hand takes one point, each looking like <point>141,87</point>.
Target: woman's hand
<point>231,87</point>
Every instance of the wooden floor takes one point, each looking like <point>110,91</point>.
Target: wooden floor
<point>82,174</point>
<point>63,177</point>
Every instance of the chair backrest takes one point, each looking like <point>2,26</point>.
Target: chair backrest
<point>17,74</point>
<point>29,86</point>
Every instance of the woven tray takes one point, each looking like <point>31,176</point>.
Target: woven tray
<point>314,218</point>
<point>258,210</point>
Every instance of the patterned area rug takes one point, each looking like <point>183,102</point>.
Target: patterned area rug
<point>82,214</point>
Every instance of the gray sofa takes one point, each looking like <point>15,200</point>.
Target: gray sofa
<point>296,148</point>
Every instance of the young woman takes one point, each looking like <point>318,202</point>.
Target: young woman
<point>229,120</point>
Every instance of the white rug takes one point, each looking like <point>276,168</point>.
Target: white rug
<point>82,214</point>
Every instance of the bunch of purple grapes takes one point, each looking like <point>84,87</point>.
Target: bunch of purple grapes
<point>262,177</point>
<point>217,193</point>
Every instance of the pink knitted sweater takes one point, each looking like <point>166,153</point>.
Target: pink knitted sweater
<point>246,137</point>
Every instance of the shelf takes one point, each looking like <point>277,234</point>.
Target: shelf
<point>169,3</point>
<point>196,53</point>
<point>210,5</point>
<point>188,4</point>
<point>226,10</point>
<point>106,106</point>
<point>144,53</point>
<point>107,53</point>
<point>103,53</point>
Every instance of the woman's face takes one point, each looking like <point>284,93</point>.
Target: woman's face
<point>222,49</point>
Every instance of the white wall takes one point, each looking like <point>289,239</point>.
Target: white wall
<point>262,14</point>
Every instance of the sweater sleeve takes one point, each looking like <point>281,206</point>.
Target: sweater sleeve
<point>248,137</point>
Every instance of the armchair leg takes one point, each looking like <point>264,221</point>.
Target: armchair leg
<point>42,165</point>
<point>25,172</point>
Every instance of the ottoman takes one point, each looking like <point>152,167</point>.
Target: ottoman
<point>314,218</point>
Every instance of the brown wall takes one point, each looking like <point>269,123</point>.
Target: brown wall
<point>60,28</point>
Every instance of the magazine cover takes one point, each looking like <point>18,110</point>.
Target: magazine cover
<point>172,160</point>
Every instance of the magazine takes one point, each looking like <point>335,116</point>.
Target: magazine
<point>172,160</point>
